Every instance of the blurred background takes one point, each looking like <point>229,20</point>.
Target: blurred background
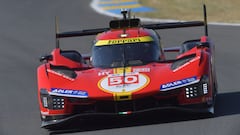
<point>218,10</point>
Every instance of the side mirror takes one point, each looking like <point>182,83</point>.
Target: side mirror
<point>46,58</point>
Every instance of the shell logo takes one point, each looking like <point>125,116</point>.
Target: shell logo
<point>117,83</point>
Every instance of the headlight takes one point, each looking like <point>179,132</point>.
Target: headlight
<point>198,89</point>
<point>51,102</point>
<point>44,97</point>
<point>57,102</point>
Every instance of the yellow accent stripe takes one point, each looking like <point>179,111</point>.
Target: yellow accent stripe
<point>122,6</point>
<point>120,70</point>
<point>123,41</point>
<point>122,96</point>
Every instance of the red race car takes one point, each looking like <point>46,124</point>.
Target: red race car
<point>127,73</point>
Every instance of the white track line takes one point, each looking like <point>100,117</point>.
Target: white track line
<point>94,5</point>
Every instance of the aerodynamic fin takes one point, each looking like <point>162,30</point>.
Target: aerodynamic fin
<point>56,31</point>
<point>205,19</point>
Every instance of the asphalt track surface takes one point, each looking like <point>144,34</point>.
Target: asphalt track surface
<point>27,31</point>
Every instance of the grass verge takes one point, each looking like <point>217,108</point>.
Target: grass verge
<point>218,10</point>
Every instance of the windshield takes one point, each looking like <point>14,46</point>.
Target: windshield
<point>122,55</point>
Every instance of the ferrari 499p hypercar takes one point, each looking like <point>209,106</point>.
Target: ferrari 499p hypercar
<point>126,73</point>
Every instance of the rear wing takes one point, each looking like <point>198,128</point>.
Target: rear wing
<point>128,23</point>
<point>156,26</point>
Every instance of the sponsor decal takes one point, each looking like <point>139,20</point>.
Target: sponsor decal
<point>123,41</point>
<point>117,83</point>
<point>121,70</point>
<point>141,70</point>
<point>68,92</point>
<point>205,88</point>
<point>103,73</point>
<point>120,80</point>
<point>179,83</point>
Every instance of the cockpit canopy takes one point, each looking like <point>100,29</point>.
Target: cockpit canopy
<point>124,52</point>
